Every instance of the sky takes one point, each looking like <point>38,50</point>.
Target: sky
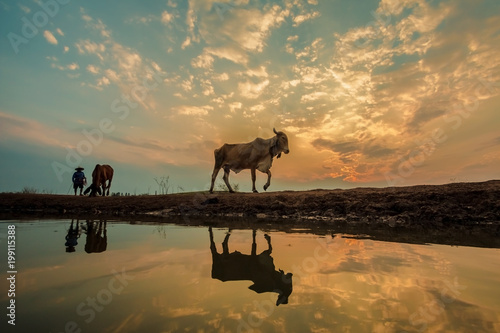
<point>370,93</point>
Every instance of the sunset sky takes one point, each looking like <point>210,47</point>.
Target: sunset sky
<point>370,93</point>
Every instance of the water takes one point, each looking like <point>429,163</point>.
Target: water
<point>167,278</point>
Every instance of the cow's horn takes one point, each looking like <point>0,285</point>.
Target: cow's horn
<point>274,130</point>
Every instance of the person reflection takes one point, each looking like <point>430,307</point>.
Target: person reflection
<point>259,269</point>
<point>97,240</point>
<point>72,236</point>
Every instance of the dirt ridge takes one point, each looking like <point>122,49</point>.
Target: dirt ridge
<point>423,206</point>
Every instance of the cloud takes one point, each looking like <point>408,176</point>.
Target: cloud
<point>166,17</point>
<point>190,110</point>
<point>427,112</point>
<point>356,95</point>
<point>241,29</point>
<point>122,65</point>
<point>90,47</point>
<point>299,19</point>
<point>29,130</point>
<point>338,147</point>
<point>220,77</point>
<point>313,96</point>
<point>204,60</point>
<point>73,66</point>
<point>143,19</point>
<point>55,64</point>
<point>186,43</point>
<point>93,69</point>
<point>230,53</point>
<point>50,37</point>
<point>252,90</point>
<point>259,72</point>
<point>103,81</point>
<point>384,84</point>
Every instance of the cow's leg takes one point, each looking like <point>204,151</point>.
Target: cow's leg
<point>253,181</point>
<point>268,180</point>
<point>214,176</point>
<point>226,179</point>
<point>254,244</point>
<point>213,248</point>
<point>225,246</point>
<point>269,246</point>
<point>109,186</point>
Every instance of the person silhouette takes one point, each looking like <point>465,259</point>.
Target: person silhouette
<point>79,179</point>
<point>72,237</point>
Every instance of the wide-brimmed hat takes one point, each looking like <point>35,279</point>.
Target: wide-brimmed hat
<point>79,168</point>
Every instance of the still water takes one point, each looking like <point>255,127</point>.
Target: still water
<point>121,277</point>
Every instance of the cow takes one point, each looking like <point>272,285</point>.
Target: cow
<point>97,240</point>
<point>259,269</point>
<point>255,155</point>
<point>100,175</point>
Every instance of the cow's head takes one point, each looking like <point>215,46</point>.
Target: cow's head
<point>281,144</point>
<point>93,190</point>
<point>285,287</point>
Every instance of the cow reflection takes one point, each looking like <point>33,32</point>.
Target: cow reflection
<point>97,240</point>
<point>259,269</point>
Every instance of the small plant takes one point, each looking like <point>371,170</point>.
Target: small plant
<point>29,190</point>
<point>163,185</point>
<point>223,188</point>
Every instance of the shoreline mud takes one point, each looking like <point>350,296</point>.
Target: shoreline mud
<point>467,212</point>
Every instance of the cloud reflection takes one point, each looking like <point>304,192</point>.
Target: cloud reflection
<point>356,285</point>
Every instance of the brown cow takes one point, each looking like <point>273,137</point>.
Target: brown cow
<point>100,175</point>
<point>255,155</point>
<point>97,240</point>
<point>259,269</point>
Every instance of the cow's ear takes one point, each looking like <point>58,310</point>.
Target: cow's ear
<point>279,155</point>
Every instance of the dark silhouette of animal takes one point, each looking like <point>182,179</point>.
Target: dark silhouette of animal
<point>259,269</point>
<point>255,155</point>
<point>97,240</point>
<point>100,175</point>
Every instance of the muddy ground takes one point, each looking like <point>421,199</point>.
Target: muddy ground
<point>469,211</point>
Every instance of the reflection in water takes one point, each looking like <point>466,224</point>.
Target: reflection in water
<point>259,269</point>
<point>72,237</point>
<point>147,283</point>
<point>97,240</point>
